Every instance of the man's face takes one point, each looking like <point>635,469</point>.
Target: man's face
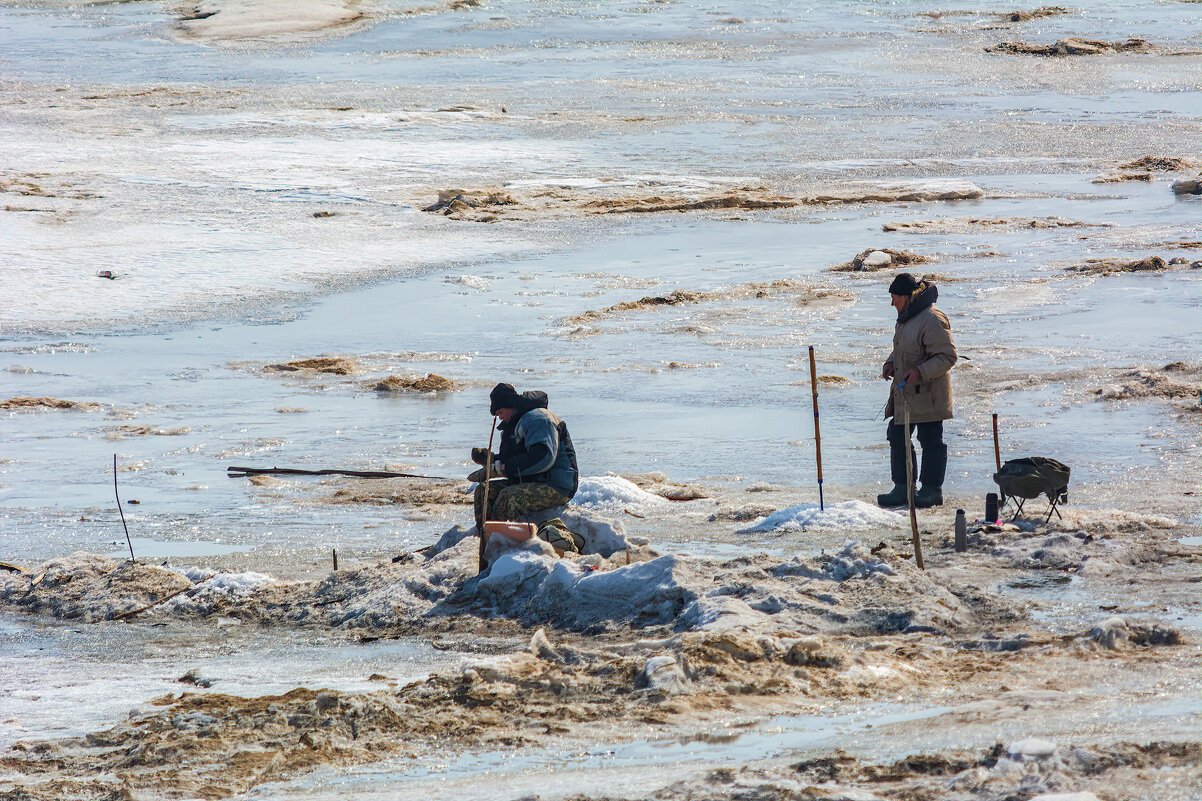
<point>505,414</point>
<point>899,302</point>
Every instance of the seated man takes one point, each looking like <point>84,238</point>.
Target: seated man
<point>536,463</point>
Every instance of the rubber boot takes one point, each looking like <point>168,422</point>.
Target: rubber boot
<point>894,497</point>
<point>926,497</point>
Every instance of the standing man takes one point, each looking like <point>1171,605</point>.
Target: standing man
<point>537,462</point>
<point>923,352</point>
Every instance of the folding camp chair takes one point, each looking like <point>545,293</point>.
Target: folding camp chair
<point>1030,477</point>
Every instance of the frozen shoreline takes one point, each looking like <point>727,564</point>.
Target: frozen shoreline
<point>691,669</point>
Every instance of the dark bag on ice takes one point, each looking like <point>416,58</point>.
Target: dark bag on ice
<point>1033,476</point>
<point>562,539</point>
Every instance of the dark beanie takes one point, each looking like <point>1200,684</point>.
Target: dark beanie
<point>503,396</point>
<point>903,284</point>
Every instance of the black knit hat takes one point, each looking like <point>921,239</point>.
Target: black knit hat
<point>503,396</point>
<point>903,284</point>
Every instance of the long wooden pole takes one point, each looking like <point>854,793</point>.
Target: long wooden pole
<point>244,472</point>
<point>128,541</point>
<point>910,483</point>
<point>487,480</point>
<point>997,451</point>
<point>817,430</point>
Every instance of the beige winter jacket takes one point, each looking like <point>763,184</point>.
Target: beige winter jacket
<point>923,341</point>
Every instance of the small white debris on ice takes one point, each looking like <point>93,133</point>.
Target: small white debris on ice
<point>663,674</point>
<point>1031,748</point>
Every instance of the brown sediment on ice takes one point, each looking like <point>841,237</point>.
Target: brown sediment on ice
<point>495,204</point>
<point>1025,15</point>
<point>677,297</point>
<point>1004,771</point>
<point>874,259</point>
<point>917,191</point>
<point>1035,13</point>
<point>431,382</point>
<point>1078,46</point>
<point>213,745</point>
<point>959,225</point>
<point>337,365</point>
<point>401,492</point>
<point>805,292</point>
<point>730,200</point>
<point>1120,177</point>
<point>1178,381</point>
<point>477,205</point>
<point>1142,169</point>
<point>741,514</point>
<point>46,403</point>
<point>89,588</point>
<point>1113,266</point>
<point>671,641</point>
<point>659,484</point>
<point>37,184</point>
<point>1159,164</point>
<point>131,430</point>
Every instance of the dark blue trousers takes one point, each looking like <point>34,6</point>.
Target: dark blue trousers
<point>934,453</point>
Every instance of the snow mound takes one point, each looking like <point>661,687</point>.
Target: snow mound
<point>89,587</point>
<point>469,281</point>
<point>211,587</point>
<point>611,491</point>
<point>844,514</point>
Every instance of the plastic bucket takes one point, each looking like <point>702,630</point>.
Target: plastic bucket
<point>518,532</point>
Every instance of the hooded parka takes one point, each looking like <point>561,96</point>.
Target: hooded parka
<point>922,339</point>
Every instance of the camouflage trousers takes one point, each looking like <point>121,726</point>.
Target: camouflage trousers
<point>509,500</point>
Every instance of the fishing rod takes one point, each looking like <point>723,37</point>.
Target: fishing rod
<point>886,406</point>
<point>243,472</point>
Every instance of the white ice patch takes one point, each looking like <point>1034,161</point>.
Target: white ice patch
<point>1031,747</point>
<point>469,281</point>
<point>613,491</point>
<point>256,19</point>
<point>844,514</point>
<point>211,585</point>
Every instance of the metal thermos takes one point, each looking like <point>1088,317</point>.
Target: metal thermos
<point>961,532</point>
<point>991,510</point>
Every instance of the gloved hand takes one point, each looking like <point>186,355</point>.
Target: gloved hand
<point>479,455</point>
